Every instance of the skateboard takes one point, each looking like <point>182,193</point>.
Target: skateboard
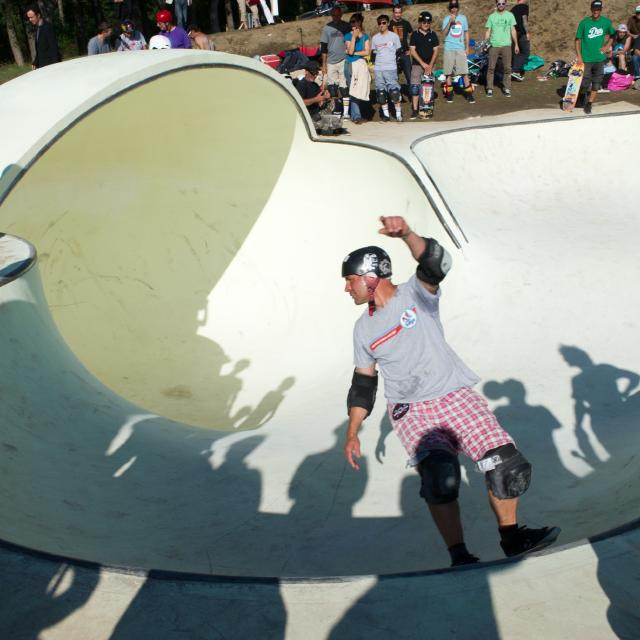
<point>426,96</point>
<point>573,87</point>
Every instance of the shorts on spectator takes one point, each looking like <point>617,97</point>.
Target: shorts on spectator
<point>455,63</point>
<point>416,74</point>
<point>335,74</point>
<point>459,422</point>
<point>386,80</point>
<point>592,78</point>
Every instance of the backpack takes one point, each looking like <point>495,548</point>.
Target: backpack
<point>559,69</point>
<point>619,81</point>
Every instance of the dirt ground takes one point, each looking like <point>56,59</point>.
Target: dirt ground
<point>553,24</point>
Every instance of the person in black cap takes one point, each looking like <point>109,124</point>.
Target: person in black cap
<point>312,96</point>
<point>593,37</point>
<point>423,46</point>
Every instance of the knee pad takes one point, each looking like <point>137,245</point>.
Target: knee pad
<point>440,474</point>
<point>381,95</point>
<point>333,90</point>
<point>394,94</point>
<point>415,90</point>
<point>344,92</point>
<point>507,472</point>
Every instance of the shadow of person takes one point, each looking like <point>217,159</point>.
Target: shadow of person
<point>525,422</point>
<point>603,394</point>
<point>324,490</point>
<point>265,410</point>
<point>38,593</point>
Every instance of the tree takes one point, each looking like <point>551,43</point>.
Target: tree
<point>12,35</point>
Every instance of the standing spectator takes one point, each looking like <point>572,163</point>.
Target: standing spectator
<point>501,32</point>
<point>423,46</point>
<point>124,9</point>
<point>130,39</point>
<point>333,51</point>
<point>633,23</point>
<point>177,35</point>
<point>182,8</point>
<point>403,29</point>
<point>593,38</point>
<point>636,58</point>
<point>521,14</point>
<point>255,13</point>
<point>357,70</point>
<point>386,45</point>
<point>46,44</point>
<point>455,31</point>
<point>200,40</point>
<point>101,43</point>
<point>621,47</point>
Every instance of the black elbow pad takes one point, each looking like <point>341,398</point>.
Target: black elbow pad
<point>324,47</point>
<point>434,263</point>
<point>362,392</point>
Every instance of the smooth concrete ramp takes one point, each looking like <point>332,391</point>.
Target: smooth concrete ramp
<point>174,369</point>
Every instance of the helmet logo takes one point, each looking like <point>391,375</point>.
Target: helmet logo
<point>369,263</point>
<point>385,267</point>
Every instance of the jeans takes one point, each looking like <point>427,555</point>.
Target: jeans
<point>520,59</point>
<point>181,13</point>
<point>405,66</point>
<point>636,66</point>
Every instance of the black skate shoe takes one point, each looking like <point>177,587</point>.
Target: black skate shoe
<point>524,540</point>
<point>467,558</point>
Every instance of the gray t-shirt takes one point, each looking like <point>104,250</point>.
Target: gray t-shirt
<point>333,36</point>
<point>96,45</point>
<point>385,47</point>
<point>406,339</point>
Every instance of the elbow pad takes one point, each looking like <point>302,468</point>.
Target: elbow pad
<point>324,47</point>
<point>434,263</point>
<point>362,392</point>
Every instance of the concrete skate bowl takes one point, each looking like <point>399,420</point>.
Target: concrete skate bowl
<point>179,359</point>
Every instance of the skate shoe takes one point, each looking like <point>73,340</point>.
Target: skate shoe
<point>587,108</point>
<point>467,558</point>
<point>414,115</point>
<point>489,93</point>
<point>507,93</point>
<point>385,118</point>
<point>525,540</point>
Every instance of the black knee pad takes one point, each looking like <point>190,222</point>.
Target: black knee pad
<point>333,90</point>
<point>415,90</point>
<point>507,472</point>
<point>381,96</point>
<point>394,94</point>
<point>440,473</point>
<point>344,92</point>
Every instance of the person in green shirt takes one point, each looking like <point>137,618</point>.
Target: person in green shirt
<point>501,32</point>
<point>593,37</point>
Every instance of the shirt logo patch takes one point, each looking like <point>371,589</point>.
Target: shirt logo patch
<point>399,411</point>
<point>408,319</point>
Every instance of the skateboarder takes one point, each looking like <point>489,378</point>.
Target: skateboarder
<point>431,404</point>
<point>593,37</point>
<point>423,46</point>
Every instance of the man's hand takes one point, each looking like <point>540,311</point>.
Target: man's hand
<point>516,49</point>
<point>394,227</point>
<point>351,450</point>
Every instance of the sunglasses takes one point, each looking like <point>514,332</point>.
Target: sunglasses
<point>383,22</point>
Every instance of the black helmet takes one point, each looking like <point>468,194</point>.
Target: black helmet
<point>367,260</point>
<point>425,16</point>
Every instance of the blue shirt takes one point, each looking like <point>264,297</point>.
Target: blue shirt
<point>454,40</point>
<point>359,46</point>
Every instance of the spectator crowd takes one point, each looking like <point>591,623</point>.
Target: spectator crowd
<point>401,57</point>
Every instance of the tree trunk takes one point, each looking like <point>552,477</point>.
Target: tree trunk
<point>14,43</point>
<point>61,12</point>
<point>229,13</point>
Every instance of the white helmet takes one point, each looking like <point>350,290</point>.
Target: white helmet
<point>159,42</point>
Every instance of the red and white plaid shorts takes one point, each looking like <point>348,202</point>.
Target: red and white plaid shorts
<point>460,422</point>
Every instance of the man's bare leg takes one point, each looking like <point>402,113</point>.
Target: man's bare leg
<point>505,510</point>
<point>447,519</point>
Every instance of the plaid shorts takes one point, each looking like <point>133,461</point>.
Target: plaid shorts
<point>459,422</point>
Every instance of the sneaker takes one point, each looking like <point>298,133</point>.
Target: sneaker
<point>517,76</point>
<point>489,93</point>
<point>507,93</point>
<point>587,108</point>
<point>384,118</point>
<point>525,540</point>
<point>414,115</point>
<point>346,116</point>
<point>471,99</point>
<point>399,117</point>
<point>467,558</point>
